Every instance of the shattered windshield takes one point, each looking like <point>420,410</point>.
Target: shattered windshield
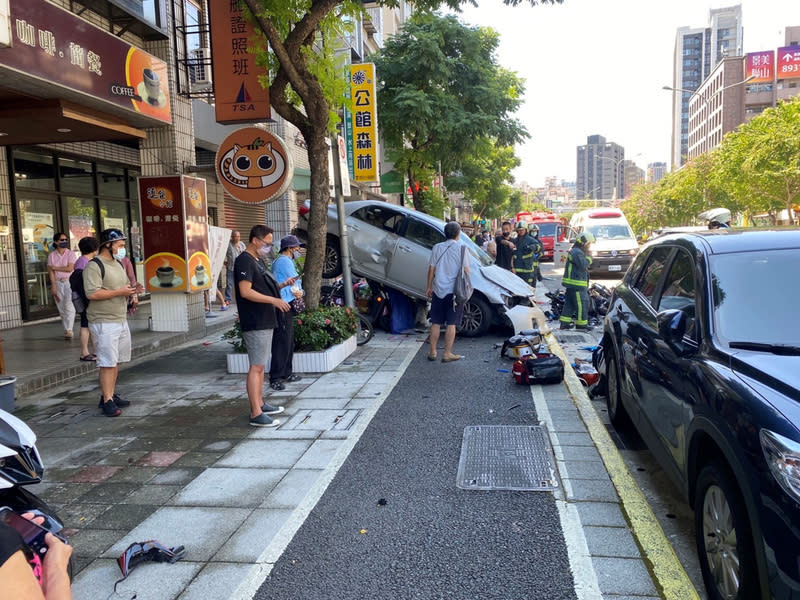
<point>476,250</point>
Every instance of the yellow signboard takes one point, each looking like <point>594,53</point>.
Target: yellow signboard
<point>365,122</point>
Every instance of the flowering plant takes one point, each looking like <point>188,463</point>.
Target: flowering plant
<point>314,330</point>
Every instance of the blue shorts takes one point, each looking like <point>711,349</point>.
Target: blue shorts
<point>443,311</point>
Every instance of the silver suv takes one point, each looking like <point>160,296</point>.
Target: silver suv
<point>391,244</point>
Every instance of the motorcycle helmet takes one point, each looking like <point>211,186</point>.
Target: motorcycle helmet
<point>585,238</point>
<point>111,235</point>
<point>533,229</point>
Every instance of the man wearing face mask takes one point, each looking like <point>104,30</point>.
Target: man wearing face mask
<point>108,288</point>
<point>505,247</point>
<point>60,263</point>
<point>284,269</point>
<point>258,298</point>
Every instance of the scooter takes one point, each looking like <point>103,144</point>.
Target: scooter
<point>21,465</point>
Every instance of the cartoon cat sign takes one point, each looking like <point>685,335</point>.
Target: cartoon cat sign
<point>254,166</point>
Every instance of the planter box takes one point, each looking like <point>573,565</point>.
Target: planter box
<point>303,362</point>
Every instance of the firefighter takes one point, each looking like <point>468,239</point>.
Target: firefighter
<point>576,281</point>
<point>526,255</point>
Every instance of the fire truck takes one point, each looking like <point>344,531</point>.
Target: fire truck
<point>548,224</point>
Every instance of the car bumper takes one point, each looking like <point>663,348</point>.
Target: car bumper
<point>611,264</point>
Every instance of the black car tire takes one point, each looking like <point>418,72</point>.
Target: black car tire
<point>332,264</point>
<point>616,411</point>
<point>477,317</point>
<point>717,497</point>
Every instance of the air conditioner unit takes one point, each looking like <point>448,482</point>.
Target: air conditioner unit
<point>199,67</point>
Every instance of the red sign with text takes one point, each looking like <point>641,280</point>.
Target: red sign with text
<point>760,66</point>
<point>788,62</point>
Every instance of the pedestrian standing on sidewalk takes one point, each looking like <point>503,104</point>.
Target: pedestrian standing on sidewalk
<point>444,265</point>
<point>235,248</point>
<point>88,247</point>
<point>108,289</point>
<point>60,263</point>
<point>258,299</point>
<point>505,247</point>
<point>576,282</point>
<point>285,273</point>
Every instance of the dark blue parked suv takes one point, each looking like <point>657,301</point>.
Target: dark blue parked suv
<point>702,341</point>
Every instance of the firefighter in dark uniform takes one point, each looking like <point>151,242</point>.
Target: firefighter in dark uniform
<point>526,255</point>
<point>576,281</point>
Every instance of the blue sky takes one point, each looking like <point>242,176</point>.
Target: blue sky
<point>598,67</point>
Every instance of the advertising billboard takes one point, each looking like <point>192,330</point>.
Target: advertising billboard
<point>175,233</point>
<point>788,62</point>
<point>365,122</point>
<point>760,66</point>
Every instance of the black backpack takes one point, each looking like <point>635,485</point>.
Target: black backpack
<point>79,299</point>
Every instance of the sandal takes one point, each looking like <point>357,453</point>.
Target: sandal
<point>89,358</point>
<point>431,357</point>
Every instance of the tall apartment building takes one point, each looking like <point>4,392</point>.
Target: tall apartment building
<point>632,175</point>
<point>656,171</point>
<point>600,170</point>
<point>697,52</point>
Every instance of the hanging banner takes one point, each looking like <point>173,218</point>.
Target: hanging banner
<point>175,233</point>
<point>254,166</point>
<point>365,122</point>
<point>239,97</point>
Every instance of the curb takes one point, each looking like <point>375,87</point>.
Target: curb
<point>668,573</point>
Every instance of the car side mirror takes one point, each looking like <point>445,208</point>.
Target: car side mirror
<point>672,327</point>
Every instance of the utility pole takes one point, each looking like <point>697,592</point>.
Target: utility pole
<point>344,247</point>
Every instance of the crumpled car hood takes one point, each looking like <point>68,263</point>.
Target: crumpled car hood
<point>507,280</point>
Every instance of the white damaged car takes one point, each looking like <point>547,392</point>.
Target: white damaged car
<point>391,244</point>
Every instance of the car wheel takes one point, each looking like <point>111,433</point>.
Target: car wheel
<point>724,539</point>
<point>616,411</point>
<point>477,317</point>
<point>332,265</point>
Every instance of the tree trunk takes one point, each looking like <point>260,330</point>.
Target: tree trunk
<point>318,217</point>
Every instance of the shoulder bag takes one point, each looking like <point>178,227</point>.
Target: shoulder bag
<point>463,288</point>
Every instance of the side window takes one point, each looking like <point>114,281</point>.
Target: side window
<point>636,268</point>
<point>423,234</point>
<point>380,217</point>
<point>647,284</point>
<point>679,289</point>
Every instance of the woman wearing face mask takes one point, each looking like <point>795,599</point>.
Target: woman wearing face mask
<point>284,270</point>
<point>60,264</point>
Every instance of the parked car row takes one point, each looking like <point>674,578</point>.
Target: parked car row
<point>702,347</point>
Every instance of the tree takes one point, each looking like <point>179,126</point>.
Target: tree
<point>306,88</point>
<point>442,97</point>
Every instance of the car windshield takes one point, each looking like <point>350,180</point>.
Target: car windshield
<point>610,232</point>
<point>476,251</point>
<point>755,296</point>
<point>547,229</point>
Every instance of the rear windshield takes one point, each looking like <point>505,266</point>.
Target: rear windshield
<point>547,229</point>
<point>610,232</point>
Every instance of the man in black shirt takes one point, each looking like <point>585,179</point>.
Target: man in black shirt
<point>258,296</point>
<point>505,247</point>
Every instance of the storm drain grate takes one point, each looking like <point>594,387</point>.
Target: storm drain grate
<point>506,457</point>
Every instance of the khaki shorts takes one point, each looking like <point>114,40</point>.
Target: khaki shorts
<point>112,343</point>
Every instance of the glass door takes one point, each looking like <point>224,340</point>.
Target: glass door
<point>80,216</point>
<point>38,223</point>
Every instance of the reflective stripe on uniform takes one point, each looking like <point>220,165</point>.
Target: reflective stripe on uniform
<point>574,282</point>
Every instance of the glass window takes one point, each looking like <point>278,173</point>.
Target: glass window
<point>652,272</point>
<point>380,217</point>
<point>133,185</point>
<point>114,214</point>
<point>80,215</point>
<point>679,289</point>
<point>111,181</point>
<point>76,176</point>
<point>423,234</point>
<point>34,171</point>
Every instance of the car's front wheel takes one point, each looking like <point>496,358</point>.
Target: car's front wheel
<point>332,265</point>
<point>723,534</point>
<point>477,317</point>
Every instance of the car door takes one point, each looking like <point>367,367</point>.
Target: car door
<point>408,270</point>
<point>637,316</point>
<point>562,243</point>
<point>373,235</point>
<point>672,396</point>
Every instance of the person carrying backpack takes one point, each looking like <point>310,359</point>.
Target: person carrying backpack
<point>108,290</point>
<point>88,247</point>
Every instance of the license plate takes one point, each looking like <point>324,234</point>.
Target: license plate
<point>615,267</point>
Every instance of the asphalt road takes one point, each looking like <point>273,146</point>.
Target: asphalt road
<point>393,524</point>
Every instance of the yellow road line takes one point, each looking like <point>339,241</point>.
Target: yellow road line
<point>669,574</point>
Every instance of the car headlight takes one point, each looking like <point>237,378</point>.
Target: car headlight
<point>507,300</point>
<point>783,458</point>
<point>632,251</point>
<point>595,253</point>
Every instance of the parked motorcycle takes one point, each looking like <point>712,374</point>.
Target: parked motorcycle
<point>21,465</point>
<point>372,305</point>
<point>599,299</point>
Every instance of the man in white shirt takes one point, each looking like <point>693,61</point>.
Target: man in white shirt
<point>444,265</point>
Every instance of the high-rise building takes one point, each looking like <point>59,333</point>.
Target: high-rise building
<point>697,52</point>
<point>632,175</point>
<point>599,170</point>
<point>656,171</point>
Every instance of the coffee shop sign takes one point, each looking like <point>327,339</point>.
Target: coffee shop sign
<point>78,55</point>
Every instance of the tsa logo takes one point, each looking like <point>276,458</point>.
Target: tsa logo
<point>254,166</point>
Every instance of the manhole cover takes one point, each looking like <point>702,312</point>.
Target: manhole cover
<point>506,457</point>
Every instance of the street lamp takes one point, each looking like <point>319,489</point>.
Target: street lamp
<point>693,92</point>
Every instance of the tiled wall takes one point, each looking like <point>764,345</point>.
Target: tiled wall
<point>10,310</point>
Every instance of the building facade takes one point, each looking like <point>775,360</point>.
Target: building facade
<point>656,171</point>
<point>599,170</point>
<point>697,52</point>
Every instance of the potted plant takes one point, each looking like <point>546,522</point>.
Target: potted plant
<point>323,338</point>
